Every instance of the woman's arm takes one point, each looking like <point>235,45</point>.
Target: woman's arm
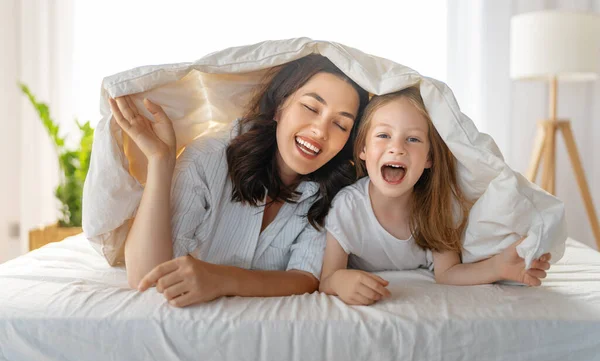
<point>186,280</point>
<point>507,265</point>
<point>148,242</point>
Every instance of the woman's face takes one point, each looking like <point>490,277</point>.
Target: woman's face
<point>314,124</point>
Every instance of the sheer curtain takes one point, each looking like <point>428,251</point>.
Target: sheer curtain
<point>36,47</point>
<point>63,49</point>
<point>478,73</point>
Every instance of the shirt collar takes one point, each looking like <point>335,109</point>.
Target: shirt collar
<point>308,189</point>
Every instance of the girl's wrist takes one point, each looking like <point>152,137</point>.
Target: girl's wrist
<point>333,281</point>
<point>497,268</point>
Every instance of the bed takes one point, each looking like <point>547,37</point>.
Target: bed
<point>64,302</point>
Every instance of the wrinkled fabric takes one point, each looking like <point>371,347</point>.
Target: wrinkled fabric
<point>64,302</point>
<point>204,96</point>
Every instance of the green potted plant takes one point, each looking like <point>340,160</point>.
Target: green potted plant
<point>74,164</point>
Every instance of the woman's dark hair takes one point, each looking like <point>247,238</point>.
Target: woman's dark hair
<point>251,156</point>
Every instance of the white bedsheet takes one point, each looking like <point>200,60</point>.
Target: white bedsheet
<point>63,302</point>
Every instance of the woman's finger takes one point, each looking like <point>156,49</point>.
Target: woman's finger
<point>157,111</point>
<point>121,121</point>
<point>138,116</point>
<point>182,301</point>
<point>131,105</point>
<point>176,290</point>
<point>157,273</point>
<point>125,109</point>
<point>168,280</point>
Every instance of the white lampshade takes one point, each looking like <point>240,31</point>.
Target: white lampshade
<point>546,44</point>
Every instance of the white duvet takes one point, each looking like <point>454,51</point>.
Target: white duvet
<point>64,302</point>
<point>209,93</point>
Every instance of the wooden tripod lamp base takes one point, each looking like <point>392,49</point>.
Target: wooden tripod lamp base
<point>545,150</point>
<point>548,45</point>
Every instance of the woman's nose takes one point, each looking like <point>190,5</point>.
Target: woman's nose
<point>319,129</point>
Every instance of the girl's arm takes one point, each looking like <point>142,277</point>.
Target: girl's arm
<point>353,286</point>
<point>335,259</point>
<point>449,270</point>
<point>148,242</point>
<point>506,265</point>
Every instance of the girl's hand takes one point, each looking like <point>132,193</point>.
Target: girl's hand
<point>155,139</point>
<point>186,281</point>
<point>359,287</point>
<point>509,266</point>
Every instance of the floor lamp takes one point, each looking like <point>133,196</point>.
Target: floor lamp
<point>556,46</point>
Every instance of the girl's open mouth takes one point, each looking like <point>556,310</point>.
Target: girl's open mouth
<point>393,173</point>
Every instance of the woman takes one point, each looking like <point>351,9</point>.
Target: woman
<point>247,204</point>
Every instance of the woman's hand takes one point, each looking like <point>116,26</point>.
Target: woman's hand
<point>509,266</point>
<point>359,287</point>
<point>186,281</point>
<point>155,139</point>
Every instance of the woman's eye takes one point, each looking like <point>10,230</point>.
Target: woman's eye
<point>382,135</point>
<point>309,108</point>
<point>341,126</point>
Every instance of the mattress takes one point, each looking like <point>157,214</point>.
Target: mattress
<point>64,302</point>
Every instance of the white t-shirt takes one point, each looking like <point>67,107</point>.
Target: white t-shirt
<point>352,222</point>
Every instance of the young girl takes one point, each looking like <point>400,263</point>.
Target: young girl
<point>246,205</point>
<point>402,213</point>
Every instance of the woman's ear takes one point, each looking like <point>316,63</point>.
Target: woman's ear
<point>277,115</point>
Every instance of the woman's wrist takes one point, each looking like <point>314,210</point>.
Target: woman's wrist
<point>228,284</point>
<point>161,161</point>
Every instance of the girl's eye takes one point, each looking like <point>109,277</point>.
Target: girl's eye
<point>309,108</point>
<point>414,140</point>
<point>382,135</point>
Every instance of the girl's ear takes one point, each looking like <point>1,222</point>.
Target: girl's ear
<point>363,154</point>
<point>429,163</point>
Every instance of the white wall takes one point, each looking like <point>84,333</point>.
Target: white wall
<point>508,110</point>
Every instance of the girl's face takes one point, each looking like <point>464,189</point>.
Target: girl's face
<point>396,149</point>
<point>314,124</point>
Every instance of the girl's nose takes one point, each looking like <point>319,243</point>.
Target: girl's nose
<point>397,148</point>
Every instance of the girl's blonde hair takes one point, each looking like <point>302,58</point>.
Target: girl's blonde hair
<point>436,195</point>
